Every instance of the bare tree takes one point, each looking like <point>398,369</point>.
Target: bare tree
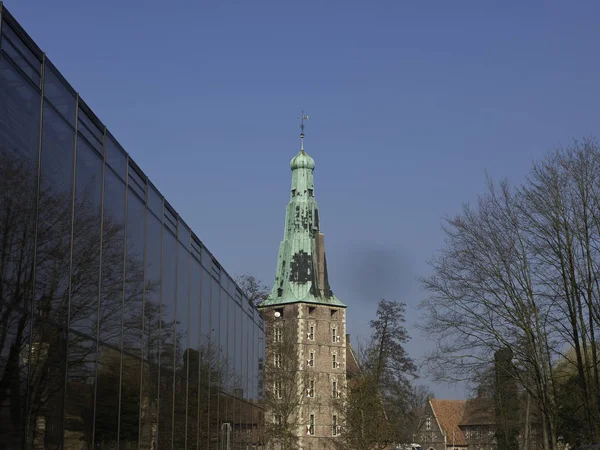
<point>482,298</point>
<point>254,289</point>
<point>520,271</point>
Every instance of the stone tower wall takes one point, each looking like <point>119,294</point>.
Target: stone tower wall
<point>323,319</point>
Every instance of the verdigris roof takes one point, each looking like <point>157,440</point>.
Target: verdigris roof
<point>301,274</point>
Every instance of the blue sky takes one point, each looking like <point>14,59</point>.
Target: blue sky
<point>409,102</point>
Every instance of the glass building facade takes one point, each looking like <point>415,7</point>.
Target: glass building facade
<point>118,328</point>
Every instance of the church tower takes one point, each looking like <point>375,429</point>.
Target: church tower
<point>302,301</point>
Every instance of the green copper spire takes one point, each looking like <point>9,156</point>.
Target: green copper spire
<point>301,274</point>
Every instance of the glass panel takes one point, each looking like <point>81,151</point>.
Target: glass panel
<point>225,387</point>
<point>169,285</point>
<point>19,133</point>
<point>132,324</point>
<point>59,95</point>
<point>155,203</point>
<point>196,248</point>
<point>205,358</point>
<point>57,155</point>
<point>81,380</point>
<point>206,259</point>
<point>192,358</point>
<point>115,158</point>
<point>83,131</point>
<point>151,332</point>
<point>19,119</point>
<point>110,312</point>
<point>240,342</point>
<point>182,344</point>
<point>183,234</point>
<point>130,401</point>
<point>86,241</point>
<point>49,344</point>
<point>170,221</point>
<point>18,59</point>
<point>14,359</point>
<point>245,347</point>
<point>231,334</point>
<point>95,133</point>
<point>137,183</point>
<point>215,362</point>
<point>113,254</point>
<point>47,360</point>
<point>81,367</point>
<point>107,397</point>
<point>134,281</point>
<point>33,60</point>
<point>223,331</point>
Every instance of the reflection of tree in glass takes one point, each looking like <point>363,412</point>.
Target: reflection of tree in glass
<point>17,230</point>
<point>46,358</point>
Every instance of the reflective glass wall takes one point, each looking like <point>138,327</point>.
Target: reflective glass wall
<point>118,329</point>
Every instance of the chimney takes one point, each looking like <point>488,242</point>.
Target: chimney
<point>321,261</point>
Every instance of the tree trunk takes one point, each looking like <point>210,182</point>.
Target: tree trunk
<point>526,426</point>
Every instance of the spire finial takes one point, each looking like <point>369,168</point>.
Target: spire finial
<point>302,118</point>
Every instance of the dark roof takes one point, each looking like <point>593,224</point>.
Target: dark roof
<point>352,367</point>
<point>449,414</point>
<point>479,411</point>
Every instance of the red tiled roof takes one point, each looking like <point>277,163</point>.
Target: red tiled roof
<point>449,414</point>
<point>479,411</point>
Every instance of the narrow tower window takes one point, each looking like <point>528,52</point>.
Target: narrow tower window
<point>311,333</point>
<point>277,389</point>
<point>311,359</point>
<point>277,360</point>
<point>428,423</point>
<point>333,336</point>
<point>334,391</point>
<point>311,425</point>
<point>335,364</point>
<point>334,425</point>
<point>310,391</point>
<point>277,332</point>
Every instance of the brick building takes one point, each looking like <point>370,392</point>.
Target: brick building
<point>303,303</point>
<point>465,424</point>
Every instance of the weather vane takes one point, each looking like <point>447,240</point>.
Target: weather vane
<point>302,118</point>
